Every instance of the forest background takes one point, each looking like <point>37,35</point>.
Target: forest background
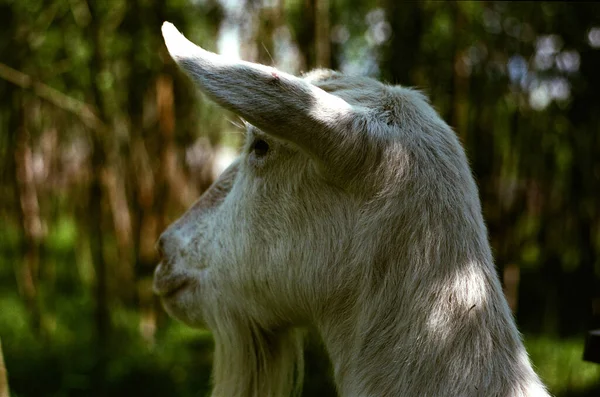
<point>104,142</point>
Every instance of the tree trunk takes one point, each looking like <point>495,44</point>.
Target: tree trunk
<point>29,212</point>
<point>96,220</point>
<point>406,21</point>
<point>3,376</point>
<point>322,34</point>
<point>305,35</point>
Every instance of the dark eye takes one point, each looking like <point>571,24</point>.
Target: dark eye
<point>259,147</point>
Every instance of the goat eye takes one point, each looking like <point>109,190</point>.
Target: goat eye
<point>259,147</point>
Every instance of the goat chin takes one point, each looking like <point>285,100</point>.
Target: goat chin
<point>351,209</point>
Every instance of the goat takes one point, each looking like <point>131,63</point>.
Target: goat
<point>351,209</point>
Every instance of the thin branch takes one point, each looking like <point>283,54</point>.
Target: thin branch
<point>85,112</point>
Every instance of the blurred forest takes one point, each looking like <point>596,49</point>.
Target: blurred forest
<point>104,142</point>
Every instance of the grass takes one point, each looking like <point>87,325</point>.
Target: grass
<point>559,364</point>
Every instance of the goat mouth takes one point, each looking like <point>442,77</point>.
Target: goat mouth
<point>167,286</point>
<point>174,289</point>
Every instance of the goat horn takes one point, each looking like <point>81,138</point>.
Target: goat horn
<point>282,105</point>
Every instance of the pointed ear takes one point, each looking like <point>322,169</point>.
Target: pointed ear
<point>280,104</point>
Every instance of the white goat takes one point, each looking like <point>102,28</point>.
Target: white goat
<point>352,210</point>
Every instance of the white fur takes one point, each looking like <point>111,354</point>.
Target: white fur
<point>363,221</point>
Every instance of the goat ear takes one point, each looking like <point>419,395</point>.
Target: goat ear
<point>280,104</point>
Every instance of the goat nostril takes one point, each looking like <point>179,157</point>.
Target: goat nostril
<point>160,247</point>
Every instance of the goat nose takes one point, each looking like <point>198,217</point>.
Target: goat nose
<point>160,246</point>
<point>168,245</point>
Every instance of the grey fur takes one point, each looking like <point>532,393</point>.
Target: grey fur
<point>362,220</point>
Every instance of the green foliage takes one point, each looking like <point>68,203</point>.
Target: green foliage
<point>65,361</point>
<point>558,362</point>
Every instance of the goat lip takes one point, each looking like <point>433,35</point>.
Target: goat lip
<point>168,288</point>
<point>175,288</point>
<point>168,285</point>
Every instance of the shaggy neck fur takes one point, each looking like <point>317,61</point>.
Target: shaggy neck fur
<point>431,318</point>
<point>251,362</point>
<point>450,341</point>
